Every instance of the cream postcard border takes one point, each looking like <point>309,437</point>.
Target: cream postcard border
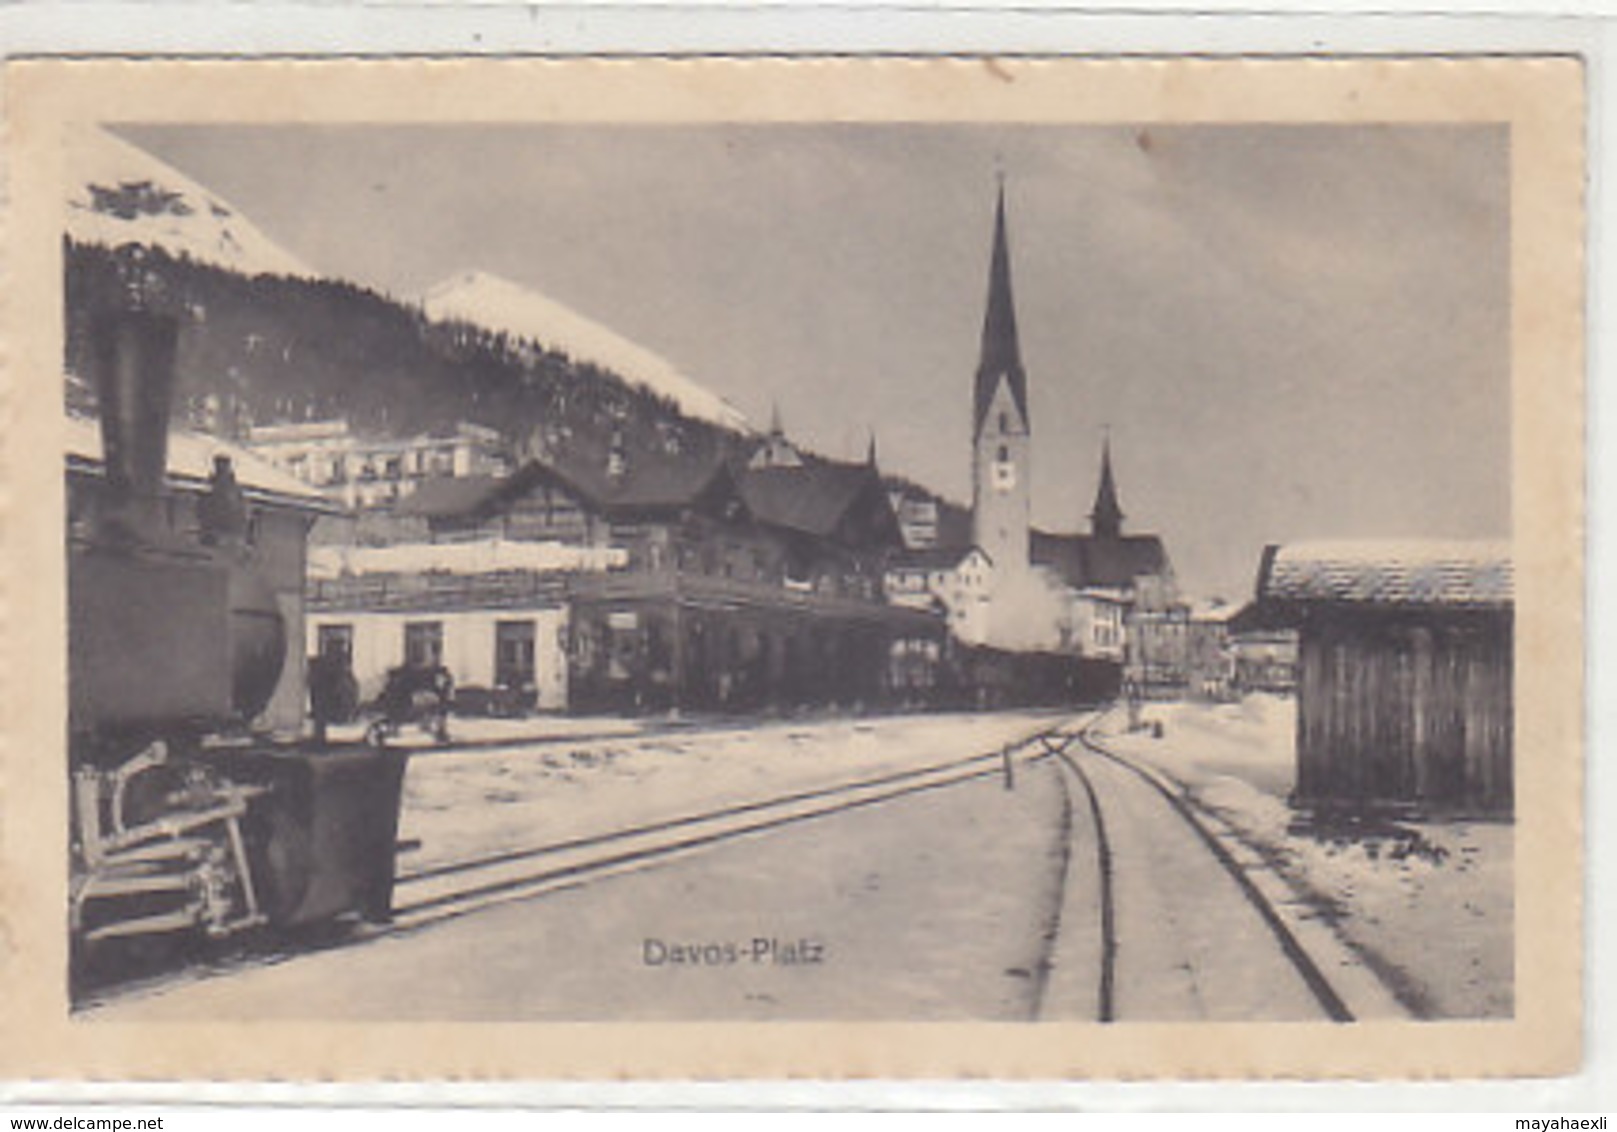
<point>1540,98</point>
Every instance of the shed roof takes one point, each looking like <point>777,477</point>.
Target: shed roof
<point>190,465</point>
<point>1454,574</point>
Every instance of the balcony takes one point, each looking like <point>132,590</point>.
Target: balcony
<point>435,591</point>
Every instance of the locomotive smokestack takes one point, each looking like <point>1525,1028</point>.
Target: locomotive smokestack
<point>133,354</point>
<point>133,341</point>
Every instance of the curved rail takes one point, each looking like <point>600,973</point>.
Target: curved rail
<point>1107,998</point>
<point>1319,986</point>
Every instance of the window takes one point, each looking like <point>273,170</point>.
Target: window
<point>1004,453</point>
<point>1004,426</point>
<point>336,641</point>
<point>513,653</point>
<point>424,644</point>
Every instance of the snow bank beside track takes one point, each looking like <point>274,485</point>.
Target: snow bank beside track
<point>1429,906</point>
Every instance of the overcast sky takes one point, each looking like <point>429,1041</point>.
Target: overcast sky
<point>1291,331</point>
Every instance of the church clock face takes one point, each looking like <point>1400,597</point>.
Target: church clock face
<point>1004,475</point>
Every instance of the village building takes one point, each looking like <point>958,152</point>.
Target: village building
<point>1404,698</point>
<point>494,612</point>
<point>277,512</point>
<point>1210,650</point>
<point>1264,655</point>
<point>360,471</point>
<point>668,580</point>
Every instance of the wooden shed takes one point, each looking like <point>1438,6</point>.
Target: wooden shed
<point>1404,690</point>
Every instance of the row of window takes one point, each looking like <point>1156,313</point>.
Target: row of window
<point>312,468</point>
<point>424,647</point>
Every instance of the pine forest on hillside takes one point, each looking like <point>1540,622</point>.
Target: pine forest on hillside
<point>267,349</point>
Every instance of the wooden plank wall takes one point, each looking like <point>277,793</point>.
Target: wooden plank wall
<point>1405,710</point>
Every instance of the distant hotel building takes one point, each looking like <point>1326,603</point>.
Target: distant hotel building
<point>361,472</point>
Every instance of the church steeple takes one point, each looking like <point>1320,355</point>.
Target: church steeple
<point>1106,520</point>
<point>1002,444</point>
<point>1001,358</point>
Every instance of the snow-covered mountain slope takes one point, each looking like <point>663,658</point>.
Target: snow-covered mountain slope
<point>498,304</point>
<point>120,194</point>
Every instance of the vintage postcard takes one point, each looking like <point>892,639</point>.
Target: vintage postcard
<point>721,568</point>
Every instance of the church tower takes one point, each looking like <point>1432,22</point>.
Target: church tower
<point>1001,432</point>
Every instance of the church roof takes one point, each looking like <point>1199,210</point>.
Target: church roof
<point>1098,560</point>
<point>1001,351</point>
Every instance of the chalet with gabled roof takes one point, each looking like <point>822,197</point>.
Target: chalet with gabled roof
<point>738,587</point>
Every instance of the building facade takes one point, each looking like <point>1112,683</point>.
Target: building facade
<point>694,583</point>
<point>365,472</point>
<point>494,612</point>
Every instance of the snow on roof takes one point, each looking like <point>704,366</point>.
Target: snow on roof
<point>483,556</point>
<point>300,431</point>
<point>121,194</point>
<point>494,303</point>
<point>1213,611</point>
<point>190,464</point>
<point>1406,572</point>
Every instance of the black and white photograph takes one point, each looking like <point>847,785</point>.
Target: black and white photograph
<point>811,568</point>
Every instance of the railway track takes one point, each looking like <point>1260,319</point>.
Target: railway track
<point>1108,937</point>
<point>1115,952</point>
<point>431,895</point>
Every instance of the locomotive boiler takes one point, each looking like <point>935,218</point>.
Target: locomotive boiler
<point>186,822</point>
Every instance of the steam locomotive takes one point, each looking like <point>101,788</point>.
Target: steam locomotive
<point>185,823</point>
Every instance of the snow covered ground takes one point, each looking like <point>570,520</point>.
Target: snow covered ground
<point>590,776</point>
<point>1433,915</point>
<point>933,906</point>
